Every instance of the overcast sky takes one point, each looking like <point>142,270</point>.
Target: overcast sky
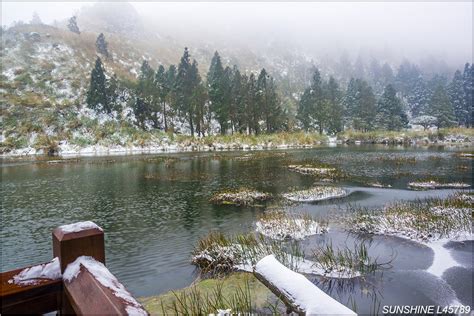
<point>441,29</point>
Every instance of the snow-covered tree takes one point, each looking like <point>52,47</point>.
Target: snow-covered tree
<point>390,112</point>
<point>441,108</point>
<point>97,94</point>
<point>72,25</point>
<point>468,83</point>
<point>101,45</point>
<point>424,120</point>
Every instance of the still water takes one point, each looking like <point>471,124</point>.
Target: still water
<point>154,208</point>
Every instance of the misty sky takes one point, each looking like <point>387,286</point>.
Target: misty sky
<point>410,29</point>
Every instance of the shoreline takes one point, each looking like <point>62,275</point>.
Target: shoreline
<point>67,151</point>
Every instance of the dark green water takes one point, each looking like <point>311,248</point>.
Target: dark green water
<point>154,208</point>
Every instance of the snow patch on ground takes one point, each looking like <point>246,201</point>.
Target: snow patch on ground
<point>289,228</point>
<point>316,194</point>
<point>437,185</point>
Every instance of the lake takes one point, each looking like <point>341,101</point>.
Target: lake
<point>154,208</point>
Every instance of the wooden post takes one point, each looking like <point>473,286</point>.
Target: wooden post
<point>68,246</point>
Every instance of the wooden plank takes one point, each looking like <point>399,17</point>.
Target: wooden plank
<point>38,298</point>
<point>88,296</point>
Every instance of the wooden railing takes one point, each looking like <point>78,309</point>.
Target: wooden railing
<point>84,286</point>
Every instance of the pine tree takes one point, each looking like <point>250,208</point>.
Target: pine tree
<point>350,102</point>
<point>441,108</point>
<point>162,90</point>
<point>171,97</point>
<point>101,45</point>
<point>252,105</point>
<point>336,110</point>
<point>215,79</point>
<point>97,94</point>
<point>147,103</point>
<point>390,113</point>
<point>458,98</point>
<point>187,80</point>
<point>112,91</point>
<point>468,84</point>
<point>141,111</point>
<point>365,110</point>
<point>72,25</point>
<point>418,98</point>
<point>237,104</point>
<point>262,100</point>
<point>313,110</point>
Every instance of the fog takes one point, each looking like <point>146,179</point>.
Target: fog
<point>392,30</point>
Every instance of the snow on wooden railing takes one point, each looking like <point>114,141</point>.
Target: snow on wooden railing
<point>298,293</point>
<point>76,281</point>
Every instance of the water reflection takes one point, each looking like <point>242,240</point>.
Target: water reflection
<point>154,208</point>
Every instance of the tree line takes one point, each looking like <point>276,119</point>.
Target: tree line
<point>235,102</point>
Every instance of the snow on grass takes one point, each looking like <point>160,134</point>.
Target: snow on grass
<point>308,169</point>
<point>318,193</point>
<point>79,226</point>
<point>432,223</point>
<point>107,279</point>
<point>377,184</point>
<point>425,185</point>
<point>38,273</point>
<point>217,254</point>
<point>281,225</point>
<point>240,197</point>
<point>306,296</point>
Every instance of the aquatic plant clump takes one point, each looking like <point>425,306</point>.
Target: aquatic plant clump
<point>281,225</point>
<point>345,262</point>
<point>217,254</point>
<point>309,169</point>
<point>425,185</point>
<point>240,197</point>
<point>318,193</point>
<point>422,221</point>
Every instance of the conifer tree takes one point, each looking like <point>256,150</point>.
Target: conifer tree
<point>365,110</point>
<point>312,110</point>
<point>458,98</point>
<point>101,45</point>
<point>72,25</point>
<point>141,111</point>
<point>390,113</point>
<point>171,98</point>
<point>252,105</point>
<point>97,94</point>
<point>237,104</point>
<point>215,83</point>
<point>441,108</point>
<point>468,84</point>
<point>147,101</point>
<point>336,110</point>
<point>187,80</point>
<point>112,91</point>
<point>162,90</point>
<point>350,102</point>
